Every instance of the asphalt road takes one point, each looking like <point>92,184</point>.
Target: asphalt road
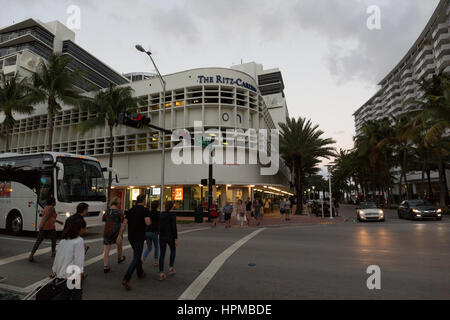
<point>289,262</point>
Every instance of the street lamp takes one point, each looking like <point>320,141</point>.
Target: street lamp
<point>331,194</point>
<point>163,154</point>
<point>314,192</point>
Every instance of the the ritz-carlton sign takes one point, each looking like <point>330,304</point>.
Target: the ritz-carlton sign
<point>225,80</point>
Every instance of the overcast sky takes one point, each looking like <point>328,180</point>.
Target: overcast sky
<point>331,62</point>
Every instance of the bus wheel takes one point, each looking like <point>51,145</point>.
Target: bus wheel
<point>15,223</point>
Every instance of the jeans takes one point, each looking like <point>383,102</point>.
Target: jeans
<point>45,234</point>
<point>136,263</point>
<point>163,245</point>
<point>152,237</point>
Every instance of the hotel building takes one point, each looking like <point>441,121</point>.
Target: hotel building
<point>241,97</point>
<point>429,55</point>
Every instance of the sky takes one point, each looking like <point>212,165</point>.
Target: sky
<point>331,62</point>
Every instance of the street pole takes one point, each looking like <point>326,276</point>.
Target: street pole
<point>163,153</point>
<point>331,194</point>
<point>210,186</point>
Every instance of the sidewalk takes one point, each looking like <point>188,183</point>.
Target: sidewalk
<point>274,219</point>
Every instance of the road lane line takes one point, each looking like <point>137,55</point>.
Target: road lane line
<point>196,287</point>
<point>98,258</point>
<point>25,255</point>
<point>23,240</point>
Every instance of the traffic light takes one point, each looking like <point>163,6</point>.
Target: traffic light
<point>135,120</point>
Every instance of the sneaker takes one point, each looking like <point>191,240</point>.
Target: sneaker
<point>172,272</point>
<point>162,276</point>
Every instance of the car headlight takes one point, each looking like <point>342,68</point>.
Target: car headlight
<point>439,211</point>
<point>68,214</point>
<point>361,212</point>
<point>417,211</point>
<point>381,212</point>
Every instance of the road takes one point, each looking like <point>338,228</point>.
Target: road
<point>274,262</point>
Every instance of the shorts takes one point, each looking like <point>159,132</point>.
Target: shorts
<point>227,216</point>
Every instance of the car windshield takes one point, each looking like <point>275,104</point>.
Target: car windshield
<point>368,205</point>
<point>419,203</point>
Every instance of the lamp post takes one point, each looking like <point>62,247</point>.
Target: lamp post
<point>314,193</point>
<point>331,194</point>
<point>163,154</point>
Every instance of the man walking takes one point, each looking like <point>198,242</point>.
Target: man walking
<point>137,219</point>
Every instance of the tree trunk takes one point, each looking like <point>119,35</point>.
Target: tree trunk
<point>111,155</point>
<point>442,186</point>
<point>430,187</point>
<point>50,122</point>
<point>6,140</point>
<point>298,170</point>
<point>423,183</point>
<point>447,200</point>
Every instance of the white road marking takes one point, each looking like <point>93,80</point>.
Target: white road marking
<point>20,239</point>
<point>25,255</point>
<point>93,260</point>
<point>196,287</point>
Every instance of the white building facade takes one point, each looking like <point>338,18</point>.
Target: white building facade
<point>220,98</point>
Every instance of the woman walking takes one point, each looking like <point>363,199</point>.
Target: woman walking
<point>47,228</point>
<point>168,235</point>
<point>241,212</point>
<point>151,234</point>
<point>248,211</point>
<point>113,220</point>
<point>258,207</point>
<point>70,259</point>
<point>214,214</point>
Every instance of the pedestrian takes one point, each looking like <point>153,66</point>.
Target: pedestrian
<point>241,212</point>
<point>168,236</point>
<point>137,218</point>
<point>294,205</point>
<point>258,207</point>
<point>69,259</point>
<point>282,208</point>
<point>287,209</point>
<point>113,221</point>
<point>152,234</point>
<point>336,207</point>
<point>266,208</point>
<point>47,228</point>
<point>227,211</point>
<point>82,211</point>
<point>214,214</point>
<point>248,210</point>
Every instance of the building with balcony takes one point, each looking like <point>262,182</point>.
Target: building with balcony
<point>429,55</point>
<point>242,97</point>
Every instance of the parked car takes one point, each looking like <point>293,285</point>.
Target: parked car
<point>369,211</point>
<point>419,210</point>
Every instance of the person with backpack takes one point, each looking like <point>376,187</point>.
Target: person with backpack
<point>152,234</point>
<point>47,228</point>
<point>113,221</point>
<point>168,236</point>
<point>137,218</point>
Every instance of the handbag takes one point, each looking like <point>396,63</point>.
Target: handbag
<point>51,289</point>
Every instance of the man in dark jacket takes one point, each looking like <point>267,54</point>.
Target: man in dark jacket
<point>168,235</point>
<point>137,218</point>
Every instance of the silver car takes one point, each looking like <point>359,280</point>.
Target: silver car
<point>369,211</point>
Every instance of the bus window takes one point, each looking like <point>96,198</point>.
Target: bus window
<point>46,189</point>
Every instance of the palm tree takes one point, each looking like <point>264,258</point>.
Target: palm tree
<point>435,119</point>
<point>302,147</point>
<point>54,84</point>
<point>107,106</point>
<point>15,97</point>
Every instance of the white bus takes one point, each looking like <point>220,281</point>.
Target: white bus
<point>27,181</point>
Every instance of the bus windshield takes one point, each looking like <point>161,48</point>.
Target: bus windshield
<point>83,181</point>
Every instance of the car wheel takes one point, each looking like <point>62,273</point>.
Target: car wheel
<point>15,223</point>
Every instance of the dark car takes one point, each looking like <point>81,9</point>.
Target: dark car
<point>419,210</point>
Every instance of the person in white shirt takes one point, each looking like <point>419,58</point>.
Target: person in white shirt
<point>68,266</point>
